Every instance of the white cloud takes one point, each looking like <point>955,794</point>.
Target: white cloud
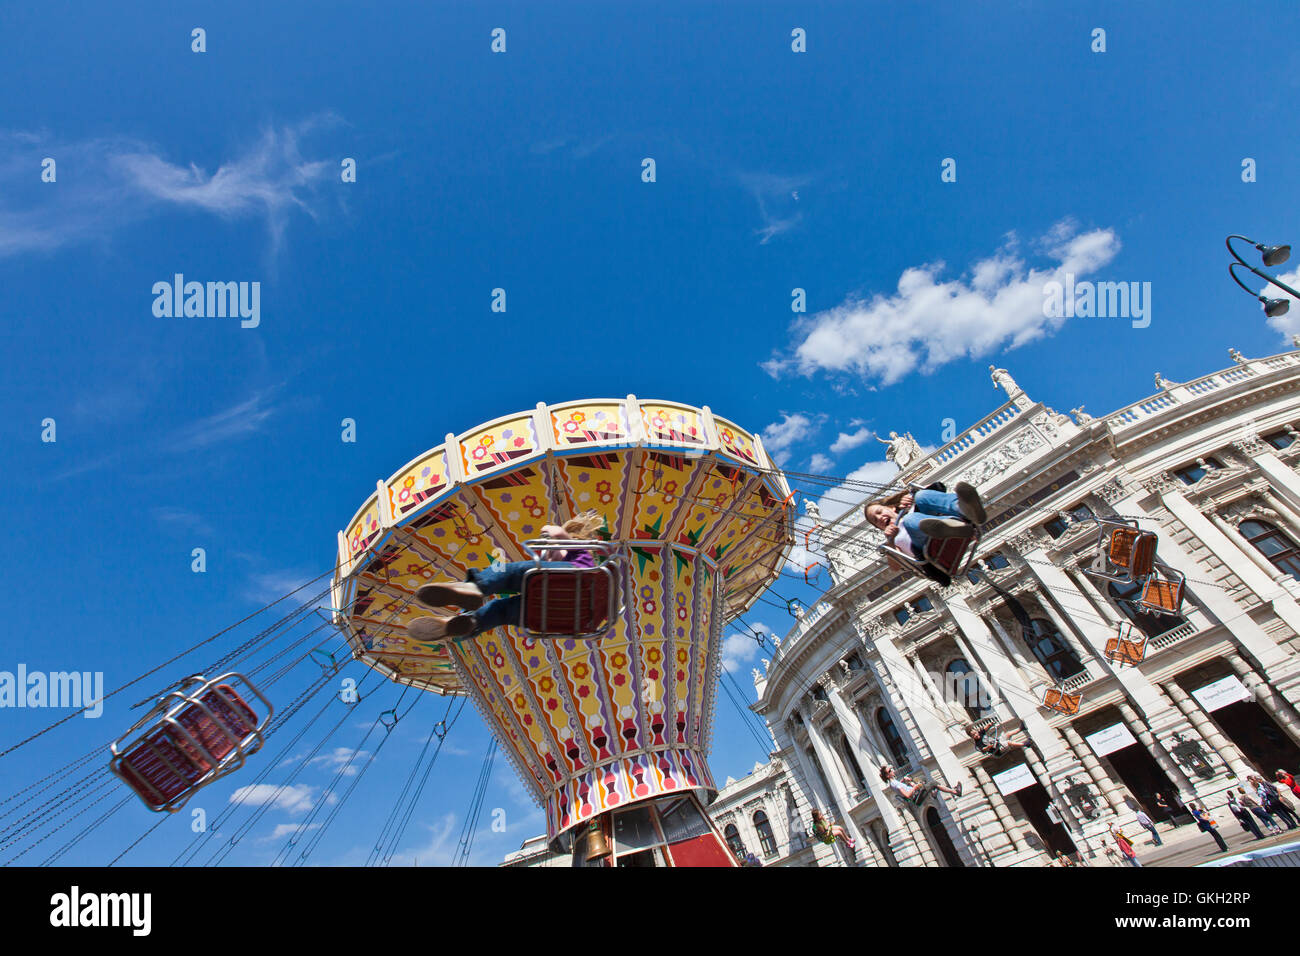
<point>847,442</point>
<point>1288,324</point>
<point>928,321</point>
<point>780,436</point>
<point>284,829</point>
<point>293,799</point>
<point>849,496</point>
<point>737,650</point>
<point>338,760</point>
<point>107,183</point>
<point>819,464</point>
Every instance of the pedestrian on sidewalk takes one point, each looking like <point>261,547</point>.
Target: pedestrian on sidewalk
<point>1207,825</point>
<point>1167,807</point>
<point>1247,802</point>
<point>1125,846</point>
<point>1244,816</point>
<point>1148,824</point>
<point>1289,781</point>
<point>1271,800</point>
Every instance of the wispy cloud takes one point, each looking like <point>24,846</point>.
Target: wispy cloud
<point>105,184</point>
<point>778,199</point>
<point>928,321</point>
<point>284,829</point>
<point>238,421</point>
<point>780,437</point>
<point>292,799</point>
<point>245,418</point>
<point>181,519</point>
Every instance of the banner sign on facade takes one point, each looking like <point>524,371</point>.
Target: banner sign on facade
<point>1109,739</point>
<point>1017,778</point>
<point>1222,692</point>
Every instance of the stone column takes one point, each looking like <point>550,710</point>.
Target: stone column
<point>1265,696</point>
<point>1000,705</point>
<point>1138,728</point>
<point>1235,618</point>
<point>936,697</point>
<point>1008,681</point>
<point>1088,587</point>
<point>854,728</point>
<point>1283,479</point>
<point>1006,836</point>
<point>1109,790</point>
<point>1135,684</point>
<point>1069,632</point>
<point>1208,731</point>
<point>814,795</point>
<point>842,800</point>
<point>902,688</point>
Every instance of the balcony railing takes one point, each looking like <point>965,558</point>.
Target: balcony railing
<point>1156,404</point>
<point>1168,638</point>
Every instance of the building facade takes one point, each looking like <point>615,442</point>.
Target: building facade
<point>890,668</point>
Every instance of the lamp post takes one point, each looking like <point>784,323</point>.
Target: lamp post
<point>1272,256</point>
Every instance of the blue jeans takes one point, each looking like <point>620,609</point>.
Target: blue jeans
<point>929,504</point>
<point>494,580</point>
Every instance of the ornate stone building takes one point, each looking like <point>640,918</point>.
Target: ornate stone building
<point>890,668</point>
<point>887,667</point>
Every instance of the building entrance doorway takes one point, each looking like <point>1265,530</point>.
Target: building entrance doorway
<point>1258,736</point>
<point>1034,801</point>
<point>1144,779</point>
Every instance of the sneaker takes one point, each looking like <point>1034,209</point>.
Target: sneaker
<point>462,594</point>
<point>945,528</point>
<point>430,630</point>
<point>958,788</point>
<point>969,504</point>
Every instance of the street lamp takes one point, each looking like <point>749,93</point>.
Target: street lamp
<point>1272,256</point>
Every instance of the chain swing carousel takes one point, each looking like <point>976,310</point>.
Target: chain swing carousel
<point>611,733</point>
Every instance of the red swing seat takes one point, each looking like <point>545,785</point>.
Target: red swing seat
<point>572,602</point>
<point>196,738</point>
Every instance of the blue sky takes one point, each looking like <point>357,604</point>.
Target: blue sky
<point>522,170</point>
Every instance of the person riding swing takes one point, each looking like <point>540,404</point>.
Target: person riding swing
<point>479,615</point>
<point>913,791</point>
<point>909,522</point>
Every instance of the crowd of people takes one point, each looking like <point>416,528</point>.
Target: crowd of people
<point>1262,808</point>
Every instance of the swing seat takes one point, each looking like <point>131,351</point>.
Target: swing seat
<point>1162,591</point>
<point>1063,703</point>
<point>1134,550</point>
<point>952,556</point>
<point>1124,552</point>
<point>191,738</point>
<point>568,602</point>
<point>1122,651</point>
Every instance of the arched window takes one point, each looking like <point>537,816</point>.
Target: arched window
<point>1052,650</point>
<point>1274,544</point>
<point>893,739</point>
<point>1149,624</point>
<point>962,686</point>
<point>765,838</point>
<point>732,836</point>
